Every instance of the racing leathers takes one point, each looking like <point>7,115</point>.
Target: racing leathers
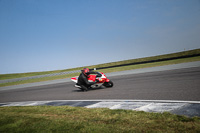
<point>83,81</point>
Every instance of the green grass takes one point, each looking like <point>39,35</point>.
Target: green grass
<point>161,63</point>
<point>146,65</point>
<point>79,119</point>
<point>105,70</point>
<point>39,79</point>
<point>166,56</point>
<point>19,75</point>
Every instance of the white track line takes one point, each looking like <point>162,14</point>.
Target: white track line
<point>104,100</point>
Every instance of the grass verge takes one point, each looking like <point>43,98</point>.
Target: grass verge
<point>116,69</point>
<point>79,119</point>
<point>159,57</point>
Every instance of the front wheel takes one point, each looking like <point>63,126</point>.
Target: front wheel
<point>108,84</point>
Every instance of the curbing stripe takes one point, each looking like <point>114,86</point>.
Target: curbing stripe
<point>188,108</point>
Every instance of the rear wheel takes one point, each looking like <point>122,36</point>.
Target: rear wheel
<point>108,84</point>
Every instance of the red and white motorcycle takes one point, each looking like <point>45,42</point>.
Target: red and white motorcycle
<point>103,80</point>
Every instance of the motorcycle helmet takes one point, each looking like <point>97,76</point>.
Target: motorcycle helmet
<point>86,71</point>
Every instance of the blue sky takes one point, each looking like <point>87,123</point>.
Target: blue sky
<point>43,35</point>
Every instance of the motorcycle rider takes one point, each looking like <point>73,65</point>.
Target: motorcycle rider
<point>83,81</point>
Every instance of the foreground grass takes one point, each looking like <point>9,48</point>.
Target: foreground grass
<point>78,119</point>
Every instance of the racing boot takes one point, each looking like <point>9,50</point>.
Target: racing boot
<point>84,88</point>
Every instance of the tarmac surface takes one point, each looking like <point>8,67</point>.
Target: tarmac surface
<point>173,88</point>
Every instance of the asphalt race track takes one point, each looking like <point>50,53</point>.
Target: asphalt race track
<point>179,84</point>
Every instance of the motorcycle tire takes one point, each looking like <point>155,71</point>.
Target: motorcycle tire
<point>108,84</point>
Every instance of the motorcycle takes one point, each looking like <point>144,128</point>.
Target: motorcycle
<point>101,78</point>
